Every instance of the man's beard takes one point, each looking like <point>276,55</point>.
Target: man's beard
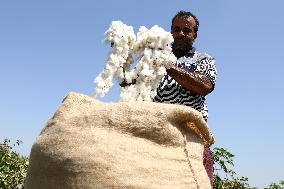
<point>181,47</point>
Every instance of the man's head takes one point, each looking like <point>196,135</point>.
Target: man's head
<point>184,30</point>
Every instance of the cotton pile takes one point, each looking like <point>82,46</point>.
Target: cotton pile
<point>122,39</point>
<point>152,51</point>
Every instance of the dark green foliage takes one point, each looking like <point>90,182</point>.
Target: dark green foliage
<point>280,185</point>
<point>13,166</point>
<point>223,163</point>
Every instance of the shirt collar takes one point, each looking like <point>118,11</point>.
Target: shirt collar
<point>191,52</point>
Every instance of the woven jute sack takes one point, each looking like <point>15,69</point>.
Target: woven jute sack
<point>90,144</point>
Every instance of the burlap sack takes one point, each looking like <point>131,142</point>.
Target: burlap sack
<point>90,144</point>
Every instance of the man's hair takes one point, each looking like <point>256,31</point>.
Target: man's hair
<point>186,14</point>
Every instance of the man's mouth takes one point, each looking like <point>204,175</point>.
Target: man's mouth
<point>180,44</point>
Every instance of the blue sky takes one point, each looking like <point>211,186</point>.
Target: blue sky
<point>49,48</point>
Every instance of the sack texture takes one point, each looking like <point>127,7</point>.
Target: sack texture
<point>88,144</point>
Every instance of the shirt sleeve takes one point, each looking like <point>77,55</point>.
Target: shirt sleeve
<point>206,66</point>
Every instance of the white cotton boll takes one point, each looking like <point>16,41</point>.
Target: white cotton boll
<point>99,82</point>
<point>146,58</point>
<point>124,95</point>
<point>142,33</point>
<point>102,87</point>
<point>129,61</point>
<point>119,74</point>
<point>120,49</point>
<point>108,84</point>
<point>153,94</point>
<point>125,47</point>
<point>152,50</point>
<point>171,60</point>
<point>121,60</point>
<point>105,83</point>
<point>157,53</point>
<point>109,70</point>
<point>131,37</point>
<point>148,52</point>
<point>128,94</point>
<point>119,33</point>
<point>141,91</point>
<point>146,71</point>
<point>113,60</point>
<point>161,71</point>
<point>141,36</point>
<point>128,77</point>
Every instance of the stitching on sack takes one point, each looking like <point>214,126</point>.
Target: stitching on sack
<point>188,161</point>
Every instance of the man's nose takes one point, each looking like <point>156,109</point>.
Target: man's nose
<point>180,33</point>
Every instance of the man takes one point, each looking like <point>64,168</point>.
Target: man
<point>194,75</point>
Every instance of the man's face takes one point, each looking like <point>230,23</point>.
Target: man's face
<point>183,34</point>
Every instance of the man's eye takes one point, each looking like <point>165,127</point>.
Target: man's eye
<point>187,30</point>
<point>176,30</point>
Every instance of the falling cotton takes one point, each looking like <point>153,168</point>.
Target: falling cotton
<point>152,50</point>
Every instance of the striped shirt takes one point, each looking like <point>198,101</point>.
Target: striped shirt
<point>169,91</point>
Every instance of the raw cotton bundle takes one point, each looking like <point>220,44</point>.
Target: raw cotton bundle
<point>153,53</point>
<point>122,39</point>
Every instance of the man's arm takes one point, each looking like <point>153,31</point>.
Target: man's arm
<point>191,81</point>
